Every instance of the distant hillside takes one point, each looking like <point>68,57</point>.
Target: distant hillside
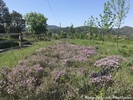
<point>53,27</point>
<point>126,30</point>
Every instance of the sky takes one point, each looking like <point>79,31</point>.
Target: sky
<point>66,12</point>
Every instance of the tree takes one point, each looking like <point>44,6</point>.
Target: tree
<point>36,22</point>
<point>120,8</point>
<point>2,7</point>
<point>106,20</point>
<point>17,22</point>
<point>2,29</point>
<point>72,31</point>
<point>91,26</point>
<point>5,18</point>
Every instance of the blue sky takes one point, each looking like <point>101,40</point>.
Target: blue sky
<point>65,11</point>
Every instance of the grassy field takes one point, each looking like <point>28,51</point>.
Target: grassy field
<point>108,48</point>
<point>12,57</point>
<point>69,70</point>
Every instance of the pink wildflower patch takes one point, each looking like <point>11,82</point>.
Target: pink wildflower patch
<point>101,79</point>
<point>58,74</point>
<point>110,62</point>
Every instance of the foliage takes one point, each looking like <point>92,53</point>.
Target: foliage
<point>4,16</point>
<point>20,81</point>
<point>108,65</point>
<point>8,44</point>
<point>63,34</point>
<point>48,36</point>
<point>72,31</point>
<point>36,22</point>
<point>26,78</point>
<point>111,62</point>
<point>7,19</point>
<point>120,8</point>
<point>92,26</point>
<point>106,20</point>
<point>10,22</point>
<point>17,22</point>
<point>2,29</point>
<point>55,36</point>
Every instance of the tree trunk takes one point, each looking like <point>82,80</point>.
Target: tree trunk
<point>118,34</point>
<point>102,36</point>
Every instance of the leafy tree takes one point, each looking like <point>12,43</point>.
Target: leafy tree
<point>48,35</point>
<point>63,34</point>
<point>36,22</point>
<point>2,29</point>
<point>17,22</point>
<point>120,8</point>
<point>106,20</point>
<point>91,25</point>
<point>2,7</point>
<point>72,31</point>
<point>5,18</point>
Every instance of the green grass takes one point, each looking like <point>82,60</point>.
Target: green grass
<point>108,48</point>
<point>12,57</point>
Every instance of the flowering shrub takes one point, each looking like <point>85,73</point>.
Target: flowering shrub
<point>117,58</point>
<point>100,79</point>
<point>61,54</point>
<point>110,62</point>
<point>28,75</point>
<point>107,65</point>
<point>21,80</point>
<point>131,68</point>
<point>58,76</point>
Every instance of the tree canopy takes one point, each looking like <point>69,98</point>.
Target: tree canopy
<point>36,22</point>
<point>17,22</point>
<point>120,8</point>
<point>10,22</point>
<point>4,16</point>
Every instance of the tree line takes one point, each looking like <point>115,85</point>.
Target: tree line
<point>114,13</point>
<point>15,22</point>
<point>10,22</point>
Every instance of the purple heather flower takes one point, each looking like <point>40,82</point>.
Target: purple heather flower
<point>100,79</point>
<point>131,68</point>
<point>58,74</point>
<point>112,62</point>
